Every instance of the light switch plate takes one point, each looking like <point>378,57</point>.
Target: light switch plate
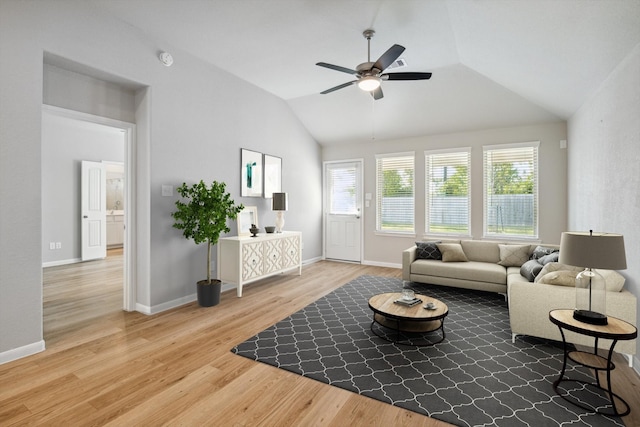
<point>167,190</point>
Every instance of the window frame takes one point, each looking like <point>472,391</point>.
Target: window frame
<point>535,157</point>
<point>428,173</point>
<point>396,156</point>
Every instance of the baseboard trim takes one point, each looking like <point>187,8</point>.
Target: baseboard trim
<point>311,260</point>
<point>61,262</point>
<point>149,310</point>
<point>382,264</point>
<point>20,352</point>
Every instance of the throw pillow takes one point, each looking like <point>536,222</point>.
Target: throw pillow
<point>513,255</point>
<point>452,252</point>
<point>613,281</point>
<point>541,251</point>
<point>530,269</point>
<point>560,278</point>
<point>555,266</point>
<point>552,257</point>
<point>427,250</point>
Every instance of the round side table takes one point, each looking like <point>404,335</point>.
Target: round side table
<point>615,331</point>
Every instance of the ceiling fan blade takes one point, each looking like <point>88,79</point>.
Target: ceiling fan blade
<point>406,76</point>
<point>333,89</point>
<point>337,68</point>
<point>377,94</point>
<point>388,57</point>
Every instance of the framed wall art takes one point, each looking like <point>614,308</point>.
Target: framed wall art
<point>250,173</point>
<point>272,175</point>
<point>246,217</point>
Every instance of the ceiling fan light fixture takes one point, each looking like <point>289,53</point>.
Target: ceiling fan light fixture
<point>369,83</point>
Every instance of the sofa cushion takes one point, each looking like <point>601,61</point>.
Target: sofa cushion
<point>552,257</point>
<point>555,266</point>
<point>513,255</point>
<point>471,270</point>
<point>560,278</point>
<point>530,269</point>
<point>428,250</point>
<point>481,250</point>
<point>452,252</point>
<point>613,281</point>
<point>541,251</point>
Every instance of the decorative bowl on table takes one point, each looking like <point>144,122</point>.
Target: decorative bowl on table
<point>270,229</point>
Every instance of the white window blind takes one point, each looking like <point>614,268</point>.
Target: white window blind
<point>342,190</point>
<point>447,197</point>
<point>511,190</point>
<point>395,193</point>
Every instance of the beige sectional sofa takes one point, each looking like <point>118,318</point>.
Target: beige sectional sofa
<point>496,267</point>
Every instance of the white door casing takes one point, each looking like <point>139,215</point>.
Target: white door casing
<point>136,239</point>
<point>93,210</point>
<point>343,210</point>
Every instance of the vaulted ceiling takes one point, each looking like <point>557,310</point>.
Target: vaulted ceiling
<point>495,63</point>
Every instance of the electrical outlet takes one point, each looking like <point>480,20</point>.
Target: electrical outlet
<point>52,245</point>
<point>58,245</point>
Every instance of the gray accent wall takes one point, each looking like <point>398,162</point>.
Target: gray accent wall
<point>192,119</point>
<point>604,165</point>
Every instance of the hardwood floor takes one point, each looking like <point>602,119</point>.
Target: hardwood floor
<point>104,366</point>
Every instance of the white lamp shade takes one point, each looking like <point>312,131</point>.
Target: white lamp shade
<point>593,250</point>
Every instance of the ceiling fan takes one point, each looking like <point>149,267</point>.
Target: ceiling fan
<point>370,74</point>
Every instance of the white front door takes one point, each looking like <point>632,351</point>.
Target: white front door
<point>343,210</point>
<point>94,210</point>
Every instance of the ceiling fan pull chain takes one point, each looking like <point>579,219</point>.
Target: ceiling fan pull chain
<point>373,119</point>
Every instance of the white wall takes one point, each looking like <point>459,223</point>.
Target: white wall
<point>192,121</point>
<point>604,164</point>
<point>386,249</point>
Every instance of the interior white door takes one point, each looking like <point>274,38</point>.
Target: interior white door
<point>343,211</point>
<point>94,210</point>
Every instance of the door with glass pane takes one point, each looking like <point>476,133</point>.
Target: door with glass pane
<point>343,210</point>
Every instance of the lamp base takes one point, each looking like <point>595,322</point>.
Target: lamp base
<point>590,317</point>
<point>279,221</point>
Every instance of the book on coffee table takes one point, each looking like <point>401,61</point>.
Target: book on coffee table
<point>408,302</point>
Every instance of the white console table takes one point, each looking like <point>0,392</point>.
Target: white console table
<point>245,259</point>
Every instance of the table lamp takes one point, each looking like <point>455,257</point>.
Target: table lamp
<point>279,204</point>
<point>592,250</point>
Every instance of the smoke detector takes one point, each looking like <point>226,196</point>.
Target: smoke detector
<point>166,59</point>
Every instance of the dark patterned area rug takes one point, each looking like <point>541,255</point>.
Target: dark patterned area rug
<point>475,377</point>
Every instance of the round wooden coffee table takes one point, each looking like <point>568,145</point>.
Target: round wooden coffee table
<point>407,321</point>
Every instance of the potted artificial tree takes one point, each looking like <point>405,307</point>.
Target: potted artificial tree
<point>202,218</point>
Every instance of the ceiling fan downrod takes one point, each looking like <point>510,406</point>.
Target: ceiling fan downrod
<point>367,35</point>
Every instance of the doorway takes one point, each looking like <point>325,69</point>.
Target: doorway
<point>70,121</point>
<point>343,210</point>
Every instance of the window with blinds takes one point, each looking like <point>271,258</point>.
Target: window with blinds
<point>447,194</point>
<point>395,193</point>
<point>342,189</point>
<point>511,190</point>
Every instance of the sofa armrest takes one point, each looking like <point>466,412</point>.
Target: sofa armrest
<point>408,256</point>
<point>530,304</point>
